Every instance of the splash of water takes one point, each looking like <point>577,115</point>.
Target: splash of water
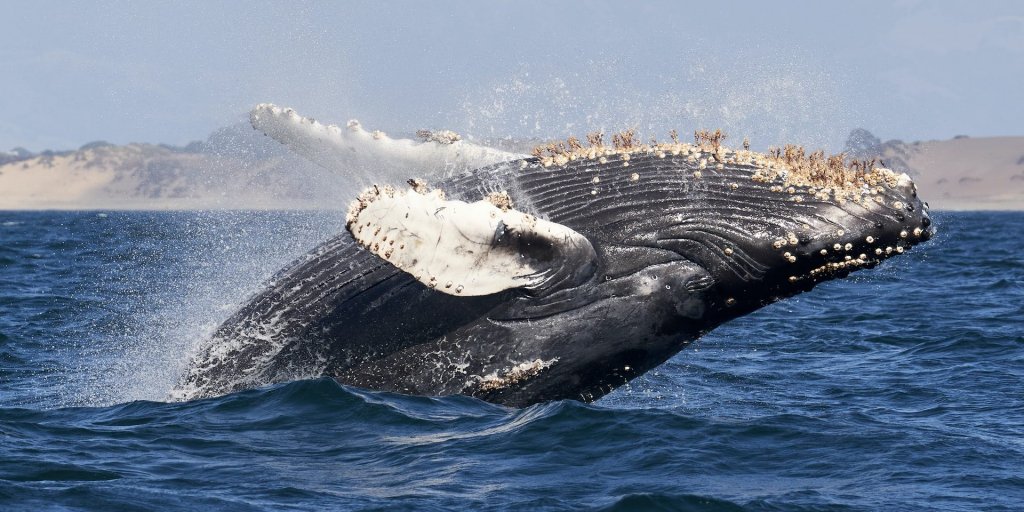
<point>771,102</point>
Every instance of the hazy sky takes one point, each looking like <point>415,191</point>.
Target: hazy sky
<point>805,72</point>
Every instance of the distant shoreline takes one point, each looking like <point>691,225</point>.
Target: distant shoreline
<point>251,172</point>
<point>97,209</point>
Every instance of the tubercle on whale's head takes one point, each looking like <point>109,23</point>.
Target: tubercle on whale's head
<point>763,225</point>
<point>829,234</point>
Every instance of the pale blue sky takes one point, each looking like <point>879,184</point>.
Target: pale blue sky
<point>808,72</point>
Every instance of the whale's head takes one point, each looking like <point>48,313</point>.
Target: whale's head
<point>759,227</point>
<point>691,236</point>
<point>768,230</point>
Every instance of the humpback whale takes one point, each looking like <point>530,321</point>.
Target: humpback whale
<point>557,275</point>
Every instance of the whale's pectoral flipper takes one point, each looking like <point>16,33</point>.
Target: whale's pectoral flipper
<point>469,249</point>
<point>339,149</point>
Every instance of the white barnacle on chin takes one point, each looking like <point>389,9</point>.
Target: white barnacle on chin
<point>500,379</point>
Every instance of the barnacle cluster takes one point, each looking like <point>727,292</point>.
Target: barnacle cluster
<point>789,169</point>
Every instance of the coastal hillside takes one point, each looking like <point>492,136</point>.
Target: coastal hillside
<point>233,169</point>
<point>966,173</point>
<point>960,174</point>
<point>237,168</point>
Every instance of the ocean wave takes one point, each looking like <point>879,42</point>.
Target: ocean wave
<point>891,391</point>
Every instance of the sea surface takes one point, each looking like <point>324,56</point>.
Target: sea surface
<point>900,388</point>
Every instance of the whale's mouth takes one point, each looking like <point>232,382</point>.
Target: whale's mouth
<point>828,257</point>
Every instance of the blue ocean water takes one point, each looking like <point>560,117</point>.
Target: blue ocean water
<point>899,388</point>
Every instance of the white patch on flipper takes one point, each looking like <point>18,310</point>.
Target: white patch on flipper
<point>464,249</point>
<point>338,149</point>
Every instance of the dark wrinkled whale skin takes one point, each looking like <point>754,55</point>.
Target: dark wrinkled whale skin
<point>677,255</point>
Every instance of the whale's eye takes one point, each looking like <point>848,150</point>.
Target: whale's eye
<point>499,233</point>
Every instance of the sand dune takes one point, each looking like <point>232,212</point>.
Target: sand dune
<point>143,176</point>
<point>966,173</point>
